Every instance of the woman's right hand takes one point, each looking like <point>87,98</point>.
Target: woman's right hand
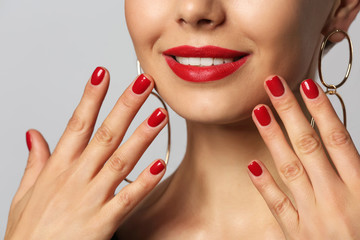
<point>70,194</point>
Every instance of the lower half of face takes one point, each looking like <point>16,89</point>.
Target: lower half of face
<point>278,37</point>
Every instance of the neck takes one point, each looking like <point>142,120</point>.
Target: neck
<point>212,179</point>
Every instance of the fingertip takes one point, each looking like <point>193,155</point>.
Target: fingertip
<point>261,115</point>
<point>28,140</point>
<point>157,117</point>
<point>36,143</point>
<point>310,89</point>
<point>99,75</point>
<point>157,167</point>
<point>255,168</point>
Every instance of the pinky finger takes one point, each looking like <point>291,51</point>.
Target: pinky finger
<point>279,204</point>
<point>128,197</point>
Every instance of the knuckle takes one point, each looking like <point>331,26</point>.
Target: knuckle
<point>127,100</point>
<point>281,205</point>
<point>117,164</point>
<point>285,106</point>
<point>271,134</point>
<point>103,135</point>
<point>125,199</point>
<point>76,124</point>
<point>339,138</point>
<point>144,185</point>
<point>292,171</point>
<point>145,135</point>
<point>308,143</point>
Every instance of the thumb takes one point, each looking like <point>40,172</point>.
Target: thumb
<point>39,153</point>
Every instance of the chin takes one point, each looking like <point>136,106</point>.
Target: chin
<point>214,112</point>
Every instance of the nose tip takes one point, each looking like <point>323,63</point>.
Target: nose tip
<point>201,13</point>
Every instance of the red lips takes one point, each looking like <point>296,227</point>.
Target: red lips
<point>208,73</point>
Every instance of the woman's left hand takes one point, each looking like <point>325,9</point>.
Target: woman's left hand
<point>327,200</point>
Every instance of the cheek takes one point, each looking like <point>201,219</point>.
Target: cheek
<point>145,21</point>
<point>283,39</point>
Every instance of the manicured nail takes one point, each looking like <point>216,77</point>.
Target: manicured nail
<point>275,86</point>
<point>262,115</point>
<point>156,118</point>
<point>28,140</point>
<point>157,167</point>
<point>255,168</point>
<point>310,89</point>
<point>97,76</point>
<point>141,84</point>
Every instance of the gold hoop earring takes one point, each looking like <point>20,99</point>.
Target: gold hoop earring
<point>167,156</point>
<point>331,89</point>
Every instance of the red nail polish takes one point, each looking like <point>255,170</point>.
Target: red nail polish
<point>157,167</point>
<point>310,89</point>
<point>275,86</point>
<point>262,115</point>
<point>97,76</point>
<point>141,84</point>
<point>28,140</point>
<point>156,118</point>
<point>255,168</point>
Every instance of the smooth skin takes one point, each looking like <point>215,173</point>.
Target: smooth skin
<point>212,195</point>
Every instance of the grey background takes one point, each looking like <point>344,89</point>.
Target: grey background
<point>48,50</point>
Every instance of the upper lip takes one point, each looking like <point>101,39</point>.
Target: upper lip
<point>203,52</point>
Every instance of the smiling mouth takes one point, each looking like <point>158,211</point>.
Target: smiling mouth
<point>204,62</point>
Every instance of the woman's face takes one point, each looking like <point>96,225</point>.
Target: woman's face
<point>279,37</point>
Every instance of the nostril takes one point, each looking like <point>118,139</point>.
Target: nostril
<point>204,22</point>
<point>201,22</point>
<point>182,21</point>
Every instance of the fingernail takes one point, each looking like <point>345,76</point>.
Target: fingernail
<point>28,140</point>
<point>141,84</point>
<point>310,89</point>
<point>97,76</point>
<point>156,118</point>
<point>255,168</point>
<point>275,86</point>
<point>157,167</point>
<point>262,115</point>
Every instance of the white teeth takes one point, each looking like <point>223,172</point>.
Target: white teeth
<point>183,60</point>
<point>206,61</point>
<point>203,61</point>
<point>218,61</point>
<point>194,61</point>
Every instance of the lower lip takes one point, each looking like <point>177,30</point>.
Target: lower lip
<point>204,74</point>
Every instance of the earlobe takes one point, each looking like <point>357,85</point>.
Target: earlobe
<point>343,15</point>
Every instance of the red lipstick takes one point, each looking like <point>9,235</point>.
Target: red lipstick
<point>204,73</point>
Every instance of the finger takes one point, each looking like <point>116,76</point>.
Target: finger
<point>305,141</point>
<point>108,137</point>
<point>125,158</point>
<point>123,202</point>
<point>336,138</point>
<point>80,127</point>
<point>287,163</point>
<point>278,203</point>
<point>39,153</point>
